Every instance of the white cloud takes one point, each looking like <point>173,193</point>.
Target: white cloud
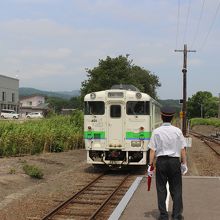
<point>36,28</point>
<point>57,45</point>
<point>60,53</point>
<point>47,70</point>
<point>32,1</point>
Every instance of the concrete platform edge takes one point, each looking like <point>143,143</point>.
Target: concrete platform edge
<point>123,203</point>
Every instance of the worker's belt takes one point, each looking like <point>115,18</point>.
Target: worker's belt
<point>166,156</point>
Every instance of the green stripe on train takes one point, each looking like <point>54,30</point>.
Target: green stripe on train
<point>143,135</point>
<point>94,134</point>
<point>129,135</point>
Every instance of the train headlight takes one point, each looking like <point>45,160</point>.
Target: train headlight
<point>92,95</point>
<point>136,143</point>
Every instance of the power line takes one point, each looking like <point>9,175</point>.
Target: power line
<point>198,24</point>
<point>210,28</point>
<point>178,21</point>
<point>187,20</point>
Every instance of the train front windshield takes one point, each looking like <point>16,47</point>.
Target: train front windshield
<point>138,108</point>
<point>94,108</point>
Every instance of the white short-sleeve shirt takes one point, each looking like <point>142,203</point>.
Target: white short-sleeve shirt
<point>167,140</point>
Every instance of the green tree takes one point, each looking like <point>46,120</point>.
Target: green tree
<point>119,70</point>
<point>211,107</point>
<point>202,104</point>
<point>57,104</point>
<point>75,102</point>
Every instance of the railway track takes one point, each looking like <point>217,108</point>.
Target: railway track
<point>212,142</point>
<point>96,200</point>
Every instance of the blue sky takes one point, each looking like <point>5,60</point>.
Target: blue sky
<point>48,44</point>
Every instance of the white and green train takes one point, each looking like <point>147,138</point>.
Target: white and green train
<point>118,124</point>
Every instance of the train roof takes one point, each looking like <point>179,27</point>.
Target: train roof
<point>125,87</point>
<point>116,93</point>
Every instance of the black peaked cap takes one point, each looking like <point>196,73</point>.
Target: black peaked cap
<point>168,111</point>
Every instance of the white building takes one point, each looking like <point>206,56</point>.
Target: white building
<point>33,103</point>
<point>9,93</point>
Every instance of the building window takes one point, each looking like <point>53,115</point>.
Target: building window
<point>13,97</point>
<point>30,103</point>
<point>3,96</point>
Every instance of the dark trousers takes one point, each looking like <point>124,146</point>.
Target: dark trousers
<point>168,169</point>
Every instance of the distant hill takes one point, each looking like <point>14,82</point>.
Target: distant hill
<point>24,91</point>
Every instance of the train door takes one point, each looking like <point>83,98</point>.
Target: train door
<point>115,124</point>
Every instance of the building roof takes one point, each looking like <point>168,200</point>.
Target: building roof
<point>8,77</point>
<point>31,96</point>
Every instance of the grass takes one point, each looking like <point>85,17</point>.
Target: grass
<point>205,121</point>
<point>56,134</point>
<point>12,171</point>
<point>33,171</point>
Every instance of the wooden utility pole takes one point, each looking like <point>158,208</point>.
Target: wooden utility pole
<point>219,107</point>
<point>184,71</point>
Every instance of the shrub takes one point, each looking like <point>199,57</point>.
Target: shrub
<point>56,147</point>
<point>77,119</point>
<point>56,134</point>
<point>12,171</point>
<point>205,121</point>
<point>33,171</point>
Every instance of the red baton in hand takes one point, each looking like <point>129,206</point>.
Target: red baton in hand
<point>150,172</point>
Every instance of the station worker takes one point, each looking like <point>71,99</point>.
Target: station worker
<point>168,144</point>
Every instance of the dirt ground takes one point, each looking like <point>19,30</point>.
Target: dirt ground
<point>202,161</point>
<point>22,197</point>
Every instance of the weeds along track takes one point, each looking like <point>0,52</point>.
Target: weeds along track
<point>96,200</point>
<point>212,142</point>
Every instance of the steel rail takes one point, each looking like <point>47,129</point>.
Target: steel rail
<point>206,139</point>
<point>107,200</point>
<point>212,148</point>
<point>212,139</point>
<point>67,202</point>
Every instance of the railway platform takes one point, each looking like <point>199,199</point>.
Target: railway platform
<point>201,200</point>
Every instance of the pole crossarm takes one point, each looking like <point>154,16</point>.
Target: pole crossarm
<point>183,50</point>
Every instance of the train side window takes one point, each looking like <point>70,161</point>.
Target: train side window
<point>138,108</point>
<point>94,108</point>
<point>147,108</point>
<point>115,111</point>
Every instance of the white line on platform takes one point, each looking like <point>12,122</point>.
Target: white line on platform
<point>123,203</point>
<point>201,177</point>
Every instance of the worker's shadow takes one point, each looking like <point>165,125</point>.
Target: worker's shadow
<point>154,214</point>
